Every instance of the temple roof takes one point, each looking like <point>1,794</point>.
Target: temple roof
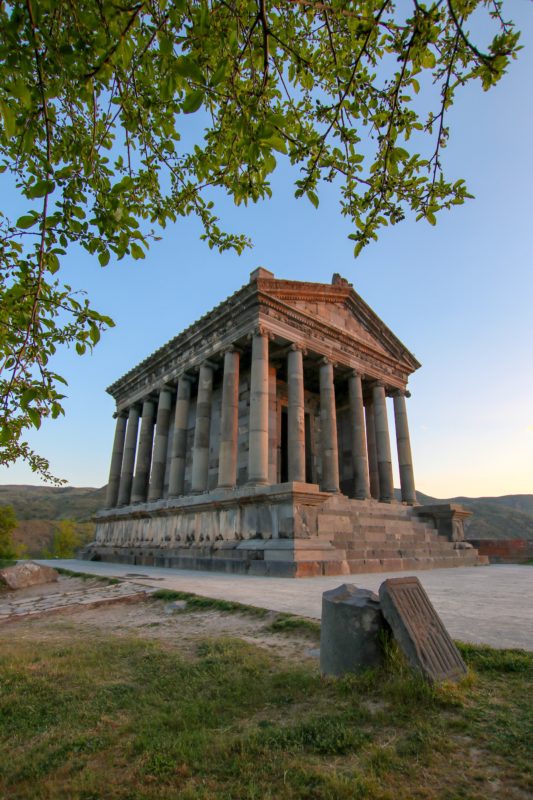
<point>331,320</point>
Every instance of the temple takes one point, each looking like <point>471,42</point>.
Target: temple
<point>257,441</point>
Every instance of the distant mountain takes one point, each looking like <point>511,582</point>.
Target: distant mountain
<point>507,517</point>
<point>50,502</point>
<point>39,509</point>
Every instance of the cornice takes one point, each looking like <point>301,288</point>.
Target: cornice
<point>310,325</point>
<point>267,302</point>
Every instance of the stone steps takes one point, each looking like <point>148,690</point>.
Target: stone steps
<point>376,537</point>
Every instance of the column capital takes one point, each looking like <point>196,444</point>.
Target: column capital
<point>186,376</point>
<point>232,348</point>
<point>297,346</point>
<point>356,373</point>
<point>261,330</point>
<point>206,363</point>
<point>120,413</point>
<point>400,393</point>
<point>324,361</point>
<point>166,387</point>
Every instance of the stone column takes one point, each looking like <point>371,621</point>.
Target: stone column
<point>258,432</point>
<point>386,483</point>
<point>200,453</point>
<point>405,460</point>
<point>295,415</point>
<point>178,452</point>
<point>273,424</point>
<point>116,461</point>
<point>144,455</point>
<point>373,473</point>
<point>328,423</point>
<point>359,453</point>
<point>229,421</point>
<point>159,460</point>
<point>128,461</point>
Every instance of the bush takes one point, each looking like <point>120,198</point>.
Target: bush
<point>8,523</point>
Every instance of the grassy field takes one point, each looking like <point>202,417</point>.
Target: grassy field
<point>96,715</point>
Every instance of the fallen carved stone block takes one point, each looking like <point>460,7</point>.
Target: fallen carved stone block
<point>349,634</point>
<point>419,630</point>
<point>26,574</point>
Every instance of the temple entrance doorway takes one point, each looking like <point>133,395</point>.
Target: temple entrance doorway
<point>284,448</point>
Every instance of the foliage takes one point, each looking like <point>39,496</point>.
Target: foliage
<point>8,523</point>
<point>68,537</point>
<point>120,117</point>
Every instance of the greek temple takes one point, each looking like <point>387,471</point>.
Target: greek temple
<point>258,441</point>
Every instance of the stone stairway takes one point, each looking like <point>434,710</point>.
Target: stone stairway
<point>376,537</point>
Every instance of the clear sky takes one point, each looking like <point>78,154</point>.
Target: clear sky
<point>460,297</point>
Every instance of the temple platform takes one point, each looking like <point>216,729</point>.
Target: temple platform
<point>283,530</point>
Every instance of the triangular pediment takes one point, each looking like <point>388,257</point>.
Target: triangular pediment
<point>340,308</point>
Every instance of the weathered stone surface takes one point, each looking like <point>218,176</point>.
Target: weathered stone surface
<point>349,635</point>
<point>27,574</point>
<point>449,519</point>
<point>419,630</point>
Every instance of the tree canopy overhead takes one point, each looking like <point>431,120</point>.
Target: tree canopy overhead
<point>95,102</point>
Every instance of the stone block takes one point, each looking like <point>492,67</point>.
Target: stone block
<point>350,630</point>
<point>334,523</point>
<point>419,630</point>
<point>26,574</point>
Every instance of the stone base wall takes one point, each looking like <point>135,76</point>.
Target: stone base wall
<point>505,551</point>
<point>290,529</point>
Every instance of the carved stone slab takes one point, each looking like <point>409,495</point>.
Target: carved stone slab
<point>419,630</point>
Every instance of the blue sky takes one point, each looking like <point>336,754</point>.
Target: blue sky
<point>460,297</point>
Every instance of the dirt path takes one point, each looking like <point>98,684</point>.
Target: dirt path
<point>168,622</point>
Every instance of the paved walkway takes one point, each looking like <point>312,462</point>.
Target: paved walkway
<point>485,605</point>
<point>12,608</point>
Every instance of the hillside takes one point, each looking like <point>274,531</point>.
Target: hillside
<point>49,503</point>
<point>38,507</point>
<point>506,517</point>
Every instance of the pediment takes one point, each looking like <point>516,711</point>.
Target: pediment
<point>340,308</point>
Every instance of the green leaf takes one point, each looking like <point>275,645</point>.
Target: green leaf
<point>40,189</point>
<point>103,258</point>
<point>27,396</point>
<point>94,334</point>
<point>193,101</point>
<point>9,119</point>
<point>313,198</point>
<point>188,68</point>
<point>219,73</point>
<point>35,417</point>
<point>428,59</point>
<point>53,263</point>
<point>27,221</point>
<point>136,251</point>
<point>277,143</point>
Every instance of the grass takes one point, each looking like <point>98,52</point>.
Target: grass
<point>86,576</point>
<point>7,562</point>
<point>107,716</point>
<point>197,602</point>
<point>282,622</point>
